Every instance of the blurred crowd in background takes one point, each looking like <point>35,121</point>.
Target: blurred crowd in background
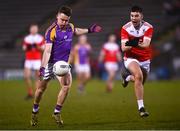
<point>164,16</point>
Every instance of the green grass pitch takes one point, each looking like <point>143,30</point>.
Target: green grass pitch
<point>95,109</point>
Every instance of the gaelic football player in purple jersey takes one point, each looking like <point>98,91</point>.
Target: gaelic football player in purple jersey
<point>57,47</point>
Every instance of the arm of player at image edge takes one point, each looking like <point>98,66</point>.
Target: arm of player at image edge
<point>92,29</point>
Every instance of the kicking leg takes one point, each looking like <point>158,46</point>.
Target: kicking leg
<point>65,83</point>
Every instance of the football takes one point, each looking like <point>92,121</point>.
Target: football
<point>61,68</point>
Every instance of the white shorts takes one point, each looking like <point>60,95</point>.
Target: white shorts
<point>49,74</point>
<point>144,64</point>
<point>82,68</point>
<point>111,66</point>
<point>32,64</point>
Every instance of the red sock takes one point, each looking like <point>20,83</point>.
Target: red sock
<point>30,91</point>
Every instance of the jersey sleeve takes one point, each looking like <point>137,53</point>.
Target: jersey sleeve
<point>103,50</point>
<point>24,43</point>
<point>50,35</point>
<point>42,41</point>
<point>123,34</point>
<point>149,33</point>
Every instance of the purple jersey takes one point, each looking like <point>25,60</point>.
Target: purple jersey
<point>61,40</point>
<point>82,56</point>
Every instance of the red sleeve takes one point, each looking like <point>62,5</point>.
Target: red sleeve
<point>123,34</point>
<point>24,42</point>
<point>42,42</point>
<point>149,33</point>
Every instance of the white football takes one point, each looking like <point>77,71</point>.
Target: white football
<point>61,68</point>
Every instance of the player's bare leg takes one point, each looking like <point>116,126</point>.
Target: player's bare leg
<point>110,81</point>
<point>145,74</point>
<point>65,83</point>
<point>80,80</point>
<point>28,81</point>
<point>87,77</point>
<point>135,70</point>
<point>36,78</point>
<point>83,78</point>
<point>42,85</point>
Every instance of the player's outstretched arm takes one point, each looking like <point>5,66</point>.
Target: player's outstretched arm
<point>46,54</point>
<point>92,29</point>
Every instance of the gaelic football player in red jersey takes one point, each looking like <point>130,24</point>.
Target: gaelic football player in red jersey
<point>110,55</point>
<point>33,45</point>
<point>135,43</point>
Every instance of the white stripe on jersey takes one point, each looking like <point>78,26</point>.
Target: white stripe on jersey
<point>137,33</point>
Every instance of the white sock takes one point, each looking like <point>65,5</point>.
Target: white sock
<point>140,104</point>
<point>128,78</point>
<point>35,110</point>
<point>56,111</point>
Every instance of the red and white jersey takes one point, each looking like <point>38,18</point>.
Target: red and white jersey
<point>128,32</point>
<point>34,53</point>
<point>110,51</point>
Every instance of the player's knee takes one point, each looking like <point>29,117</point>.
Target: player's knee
<point>41,89</point>
<point>138,77</point>
<point>65,88</point>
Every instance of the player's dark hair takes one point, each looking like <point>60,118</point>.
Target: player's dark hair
<point>66,10</point>
<point>136,9</point>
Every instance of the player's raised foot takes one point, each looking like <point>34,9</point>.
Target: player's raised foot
<point>58,119</point>
<point>124,82</point>
<point>34,119</point>
<point>143,112</point>
<point>124,74</point>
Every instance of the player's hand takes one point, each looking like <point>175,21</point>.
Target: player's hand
<point>34,45</point>
<point>28,47</point>
<point>41,73</point>
<point>133,42</point>
<point>94,28</point>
